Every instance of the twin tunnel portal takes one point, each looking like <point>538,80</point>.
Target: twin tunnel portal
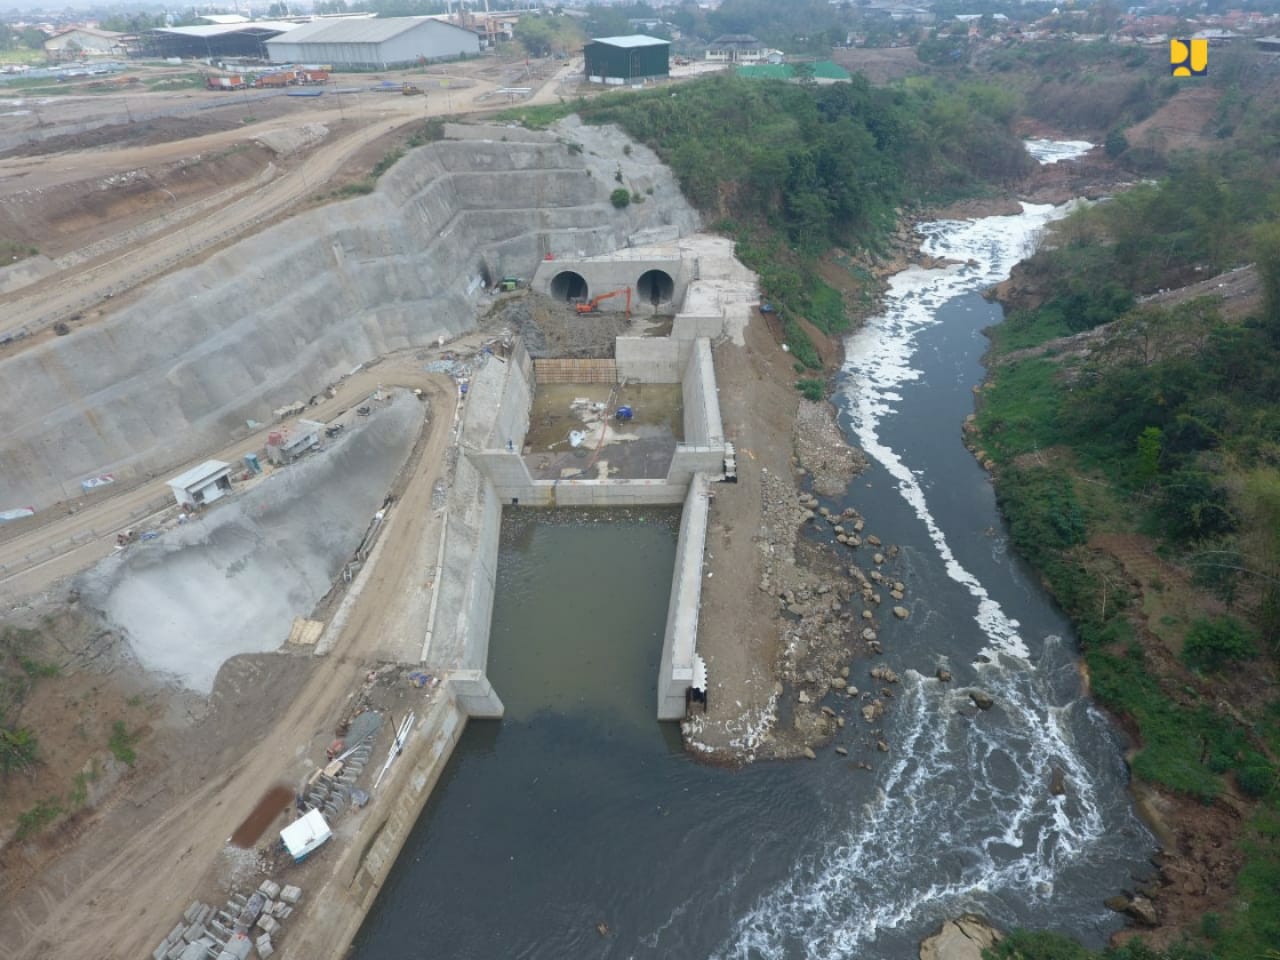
<point>653,287</point>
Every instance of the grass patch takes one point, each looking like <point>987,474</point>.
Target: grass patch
<point>1026,329</point>
<point>11,252</point>
<point>37,668</point>
<point>358,188</point>
<point>801,346</point>
<point>121,743</point>
<point>34,820</point>
<point>1018,412</point>
<point>389,160</point>
<point>811,389</point>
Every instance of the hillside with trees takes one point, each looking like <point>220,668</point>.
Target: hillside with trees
<point>793,171</point>
<point>1132,417</point>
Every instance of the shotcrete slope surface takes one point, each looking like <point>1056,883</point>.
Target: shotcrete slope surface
<point>278,316</point>
<point>232,581</point>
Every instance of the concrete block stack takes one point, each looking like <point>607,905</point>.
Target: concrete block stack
<point>192,939</point>
<point>205,930</point>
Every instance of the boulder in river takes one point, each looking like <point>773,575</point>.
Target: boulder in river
<point>944,675</point>
<point>982,701</point>
<point>901,613</point>
<point>1057,782</point>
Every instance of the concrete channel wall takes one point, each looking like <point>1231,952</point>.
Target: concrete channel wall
<point>675,672</point>
<point>278,316</point>
<point>701,404</point>
<point>368,856</point>
<point>651,359</point>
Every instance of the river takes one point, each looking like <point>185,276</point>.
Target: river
<point>577,809</point>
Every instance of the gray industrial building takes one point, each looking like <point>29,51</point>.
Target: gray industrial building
<point>618,60</point>
<point>373,44</point>
<point>214,40</point>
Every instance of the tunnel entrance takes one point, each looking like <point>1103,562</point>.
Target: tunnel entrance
<point>655,287</point>
<point>567,285</point>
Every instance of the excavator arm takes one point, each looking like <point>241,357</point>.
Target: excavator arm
<point>591,306</point>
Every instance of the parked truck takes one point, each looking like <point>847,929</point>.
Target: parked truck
<point>275,80</point>
<point>233,82</point>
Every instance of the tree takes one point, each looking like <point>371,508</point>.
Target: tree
<point>33,38</point>
<point>1266,254</point>
<point>1150,442</point>
<point>536,35</point>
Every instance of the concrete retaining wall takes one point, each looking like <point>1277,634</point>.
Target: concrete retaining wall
<point>511,422</point>
<point>692,458</point>
<point>458,643</point>
<point>651,359</point>
<point>702,425</point>
<point>278,316</point>
<point>675,672</point>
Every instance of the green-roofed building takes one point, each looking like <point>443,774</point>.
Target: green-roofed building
<point>822,70</point>
<point>617,60</point>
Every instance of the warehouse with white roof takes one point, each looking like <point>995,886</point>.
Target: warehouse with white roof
<point>373,44</point>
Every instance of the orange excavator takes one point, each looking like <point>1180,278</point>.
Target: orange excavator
<point>591,306</point>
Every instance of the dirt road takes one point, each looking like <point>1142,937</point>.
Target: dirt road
<point>120,891</point>
<point>35,558</point>
<point>84,286</point>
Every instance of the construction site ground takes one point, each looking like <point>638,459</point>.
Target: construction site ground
<point>110,208</point>
<point>151,781</point>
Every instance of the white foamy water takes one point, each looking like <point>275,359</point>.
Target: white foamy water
<point>962,816</point>
<point>878,361</point>
<point>1055,151</point>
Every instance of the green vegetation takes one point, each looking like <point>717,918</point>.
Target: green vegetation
<point>811,389</point>
<point>1042,945</point>
<point>38,817</point>
<point>11,252</point>
<point>121,743</point>
<point>431,131</point>
<point>792,171</point>
<point>620,198</point>
<point>542,36</point>
<point>1163,429</point>
<point>389,160</point>
<point>20,670</point>
<point>1215,644</point>
<point>18,749</point>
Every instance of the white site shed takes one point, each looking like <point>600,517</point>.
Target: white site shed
<point>203,484</point>
<point>373,44</point>
<point>305,835</point>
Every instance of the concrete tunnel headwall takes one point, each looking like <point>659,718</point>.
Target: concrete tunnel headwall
<point>279,315</point>
<point>657,283</point>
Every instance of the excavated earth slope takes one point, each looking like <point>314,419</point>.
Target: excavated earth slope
<point>278,316</point>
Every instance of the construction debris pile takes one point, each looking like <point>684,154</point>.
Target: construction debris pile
<point>226,933</point>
